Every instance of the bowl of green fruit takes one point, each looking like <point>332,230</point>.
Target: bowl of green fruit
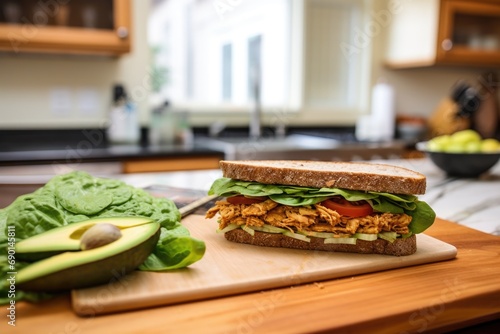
<point>463,153</point>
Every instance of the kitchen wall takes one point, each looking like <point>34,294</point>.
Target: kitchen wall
<point>48,91</point>
<point>30,85</point>
<point>418,91</point>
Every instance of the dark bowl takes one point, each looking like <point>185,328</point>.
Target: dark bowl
<point>461,164</point>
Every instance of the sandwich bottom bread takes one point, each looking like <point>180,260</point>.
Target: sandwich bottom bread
<point>352,207</point>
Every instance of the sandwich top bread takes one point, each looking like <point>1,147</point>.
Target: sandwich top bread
<point>332,206</point>
<point>321,174</point>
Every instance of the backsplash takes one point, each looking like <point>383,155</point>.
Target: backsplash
<point>53,91</point>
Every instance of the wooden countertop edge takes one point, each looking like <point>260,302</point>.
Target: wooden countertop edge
<point>464,295</point>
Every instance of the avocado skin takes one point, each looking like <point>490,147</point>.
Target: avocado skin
<point>109,270</point>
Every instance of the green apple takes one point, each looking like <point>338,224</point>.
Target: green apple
<point>490,145</point>
<point>455,148</point>
<point>465,136</point>
<point>472,147</point>
<point>439,143</point>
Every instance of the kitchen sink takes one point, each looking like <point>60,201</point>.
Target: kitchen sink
<point>299,147</point>
<point>248,148</point>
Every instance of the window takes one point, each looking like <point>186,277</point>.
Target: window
<point>254,59</point>
<point>227,73</point>
<point>330,74</point>
<point>218,48</point>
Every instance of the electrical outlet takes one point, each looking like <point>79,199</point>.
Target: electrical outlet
<point>87,101</point>
<point>61,101</point>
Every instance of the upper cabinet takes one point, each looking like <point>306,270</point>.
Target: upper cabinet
<point>97,27</point>
<point>444,32</point>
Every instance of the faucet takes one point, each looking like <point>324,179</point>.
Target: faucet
<point>255,120</point>
<point>216,128</point>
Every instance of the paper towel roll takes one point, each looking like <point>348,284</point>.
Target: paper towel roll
<point>382,112</point>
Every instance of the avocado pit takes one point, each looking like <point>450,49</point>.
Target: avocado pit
<point>99,235</point>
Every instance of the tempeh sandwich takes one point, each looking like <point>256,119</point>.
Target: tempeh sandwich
<point>356,207</point>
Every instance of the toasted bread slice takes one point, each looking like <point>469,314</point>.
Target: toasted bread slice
<point>400,247</point>
<point>362,176</point>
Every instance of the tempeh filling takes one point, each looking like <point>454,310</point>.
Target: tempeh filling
<point>310,218</point>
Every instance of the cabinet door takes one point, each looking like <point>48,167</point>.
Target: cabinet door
<point>63,26</point>
<point>469,33</point>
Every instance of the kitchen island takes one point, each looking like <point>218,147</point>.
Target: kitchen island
<point>463,292</point>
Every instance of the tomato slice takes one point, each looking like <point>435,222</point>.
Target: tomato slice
<point>346,208</point>
<point>240,199</point>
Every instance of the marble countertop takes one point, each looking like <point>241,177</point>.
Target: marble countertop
<point>474,203</point>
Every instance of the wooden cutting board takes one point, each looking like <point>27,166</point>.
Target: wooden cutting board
<point>230,268</point>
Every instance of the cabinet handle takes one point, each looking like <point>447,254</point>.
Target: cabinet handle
<point>446,44</point>
<point>122,32</point>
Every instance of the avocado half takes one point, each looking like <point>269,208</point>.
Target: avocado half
<point>67,267</point>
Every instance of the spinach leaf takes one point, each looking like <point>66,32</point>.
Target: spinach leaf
<point>176,249</point>
<point>422,217</point>
<point>78,196</point>
<point>83,199</point>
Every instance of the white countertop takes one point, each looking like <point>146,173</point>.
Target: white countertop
<point>471,202</point>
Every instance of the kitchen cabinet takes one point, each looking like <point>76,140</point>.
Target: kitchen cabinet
<point>95,27</point>
<point>444,32</point>
<point>171,164</point>
<point>114,165</point>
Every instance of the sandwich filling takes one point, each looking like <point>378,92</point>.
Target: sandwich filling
<point>328,212</point>
<point>309,218</point>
